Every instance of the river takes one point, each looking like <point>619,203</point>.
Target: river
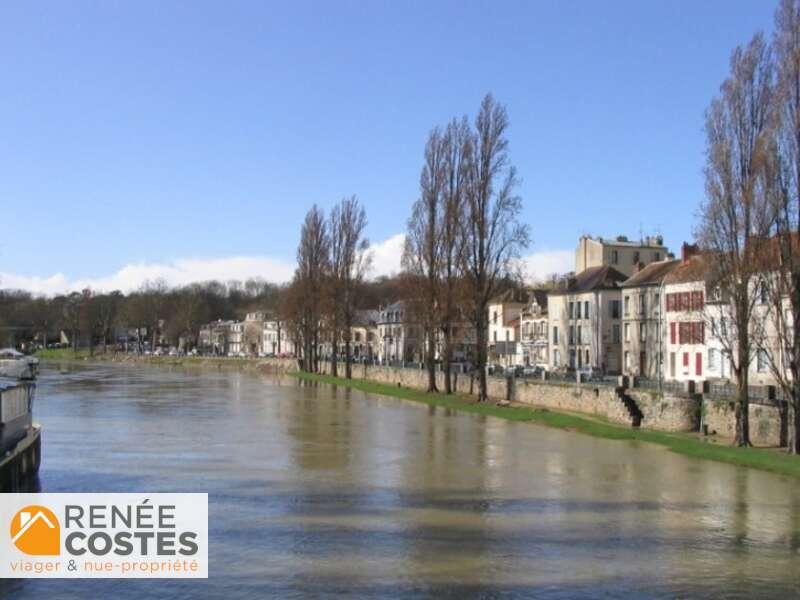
<point>315,490</point>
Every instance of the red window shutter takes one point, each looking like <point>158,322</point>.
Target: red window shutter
<point>698,363</point>
<point>672,333</point>
<point>685,359</point>
<point>701,333</point>
<point>700,302</point>
<point>669,302</point>
<point>685,301</point>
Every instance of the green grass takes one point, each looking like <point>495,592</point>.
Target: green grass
<point>689,445</point>
<point>62,354</point>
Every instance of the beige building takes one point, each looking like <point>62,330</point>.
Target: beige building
<point>622,254</point>
<point>585,317</point>
<point>643,342</point>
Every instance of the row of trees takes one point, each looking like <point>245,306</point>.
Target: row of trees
<point>750,219</point>
<point>89,318</point>
<point>332,261</point>
<point>464,234</point>
<point>463,238</point>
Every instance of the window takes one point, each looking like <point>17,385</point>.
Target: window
<point>494,317</point>
<point>696,301</point>
<point>572,334</point>
<point>656,256</point>
<point>627,332</point>
<point>615,334</point>
<point>555,334</point>
<point>614,309</point>
<point>587,356</point>
<point>495,336</point>
<point>570,309</point>
<point>556,358</point>
<point>577,310</point>
<point>656,302</point>
<point>761,361</point>
<point>614,257</point>
<point>712,359</point>
<point>580,337</point>
<point>672,365</point>
<point>635,257</point>
<point>586,310</point>
<point>762,292</point>
<point>642,303</point>
<point>627,361</point>
<point>642,332</point>
<point>627,305</point>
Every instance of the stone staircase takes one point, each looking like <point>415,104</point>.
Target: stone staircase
<point>630,405</point>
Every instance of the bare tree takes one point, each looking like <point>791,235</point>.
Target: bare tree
<point>455,143</point>
<point>312,267</point>
<point>783,344</point>
<point>735,217</point>
<point>350,261</point>
<point>422,251</point>
<point>494,234</point>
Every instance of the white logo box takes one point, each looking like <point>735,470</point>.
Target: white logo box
<point>137,535</point>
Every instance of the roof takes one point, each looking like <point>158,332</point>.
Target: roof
<point>367,317</point>
<point>652,274</point>
<point>540,296</point>
<point>696,268</point>
<point>594,278</point>
<point>511,296</point>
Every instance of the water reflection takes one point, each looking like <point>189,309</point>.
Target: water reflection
<point>315,490</point>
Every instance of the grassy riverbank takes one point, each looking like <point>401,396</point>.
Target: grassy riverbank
<point>772,460</point>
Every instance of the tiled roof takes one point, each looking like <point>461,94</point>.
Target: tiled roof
<point>696,268</point>
<point>593,278</point>
<point>652,274</point>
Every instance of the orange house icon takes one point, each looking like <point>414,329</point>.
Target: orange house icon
<point>35,531</point>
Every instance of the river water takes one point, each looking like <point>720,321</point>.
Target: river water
<point>316,491</point>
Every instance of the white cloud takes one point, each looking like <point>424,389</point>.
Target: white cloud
<point>178,272</point>
<point>540,265</point>
<point>386,255</point>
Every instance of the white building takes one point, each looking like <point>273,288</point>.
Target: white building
<point>505,311</point>
<point>534,339</point>
<point>643,333</point>
<point>275,339</point>
<point>585,318</point>
<point>398,338</point>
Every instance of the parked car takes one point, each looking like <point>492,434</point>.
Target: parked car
<point>495,370</point>
<point>590,373</point>
<point>532,371</point>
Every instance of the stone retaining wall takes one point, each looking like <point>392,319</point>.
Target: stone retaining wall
<point>662,413</point>
<point>765,421</point>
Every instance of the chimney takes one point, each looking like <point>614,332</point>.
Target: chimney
<point>688,251</point>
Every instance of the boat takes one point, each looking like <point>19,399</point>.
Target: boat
<point>12,358</point>
<point>20,437</point>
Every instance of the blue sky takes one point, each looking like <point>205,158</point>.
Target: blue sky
<point>187,140</point>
